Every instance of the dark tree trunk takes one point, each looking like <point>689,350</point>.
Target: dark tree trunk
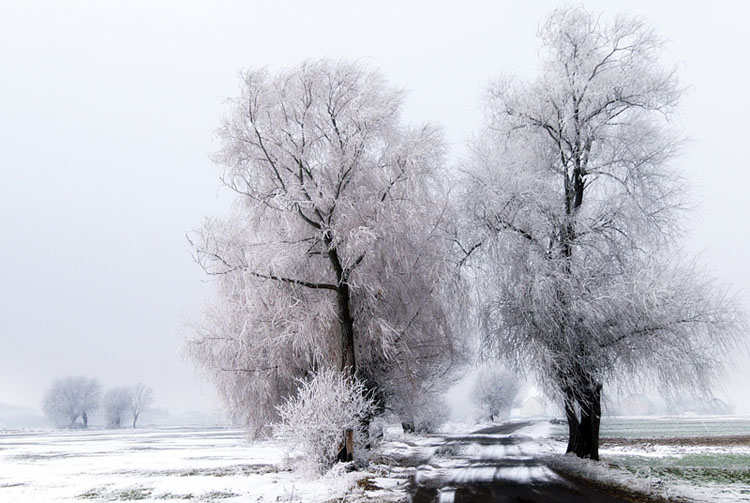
<point>348,363</point>
<point>346,324</point>
<point>85,420</point>
<point>570,414</point>
<point>347,329</point>
<point>583,405</point>
<point>135,419</point>
<point>343,301</point>
<point>583,439</point>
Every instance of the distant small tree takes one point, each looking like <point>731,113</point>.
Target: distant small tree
<point>71,398</point>
<point>141,398</point>
<point>495,391</point>
<point>116,404</point>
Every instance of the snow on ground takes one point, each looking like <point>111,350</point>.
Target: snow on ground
<point>457,457</point>
<point>215,464</point>
<point>467,474</point>
<point>156,465</point>
<point>661,466</point>
<point>539,428</point>
<point>657,450</point>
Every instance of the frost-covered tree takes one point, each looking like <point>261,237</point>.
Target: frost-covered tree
<point>311,421</point>
<point>115,405</point>
<point>71,398</point>
<point>332,255</point>
<point>495,391</point>
<point>576,207</point>
<point>141,398</point>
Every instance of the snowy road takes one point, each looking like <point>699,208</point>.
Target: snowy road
<point>497,464</point>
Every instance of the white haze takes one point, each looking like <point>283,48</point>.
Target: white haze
<point>107,113</point>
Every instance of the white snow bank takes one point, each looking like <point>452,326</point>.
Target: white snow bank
<point>538,429</point>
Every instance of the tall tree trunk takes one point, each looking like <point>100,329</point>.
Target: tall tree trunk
<point>135,419</point>
<point>583,439</point>
<point>346,324</point>
<point>582,406</point>
<point>348,363</point>
<point>583,431</point>
<point>573,425</point>
<point>343,301</point>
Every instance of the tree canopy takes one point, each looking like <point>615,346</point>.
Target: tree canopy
<point>332,255</point>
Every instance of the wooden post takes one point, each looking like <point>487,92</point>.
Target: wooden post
<point>346,451</point>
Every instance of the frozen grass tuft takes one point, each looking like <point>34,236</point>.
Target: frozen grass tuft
<point>137,493</point>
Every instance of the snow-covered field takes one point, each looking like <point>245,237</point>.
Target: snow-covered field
<point>217,464</point>
<point>683,426</point>
<point>178,464</point>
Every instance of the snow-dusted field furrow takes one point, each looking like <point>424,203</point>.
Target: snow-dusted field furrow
<point>177,464</point>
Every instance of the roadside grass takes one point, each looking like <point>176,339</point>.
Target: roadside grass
<point>696,469</point>
<point>706,457</point>
<point>91,494</point>
<point>140,493</point>
<point>610,479</point>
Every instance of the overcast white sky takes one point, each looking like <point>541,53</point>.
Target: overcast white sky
<point>107,113</point>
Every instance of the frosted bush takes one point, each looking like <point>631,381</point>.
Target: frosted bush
<point>313,422</point>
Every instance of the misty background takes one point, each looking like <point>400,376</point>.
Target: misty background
<point>107,119</point>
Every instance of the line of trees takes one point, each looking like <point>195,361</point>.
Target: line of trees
<point>70,401</point>
<point>353,246</point>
